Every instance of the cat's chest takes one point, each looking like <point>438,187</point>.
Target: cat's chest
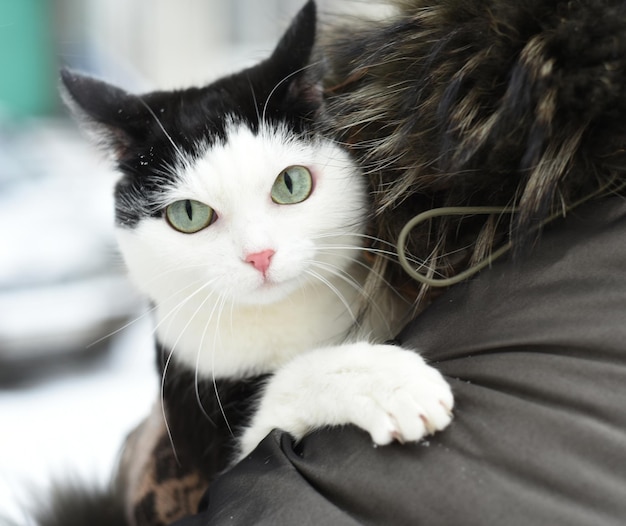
<point>227,340</point>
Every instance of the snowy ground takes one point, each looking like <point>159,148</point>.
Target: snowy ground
<point>62,288</point>
<point>73,424</point>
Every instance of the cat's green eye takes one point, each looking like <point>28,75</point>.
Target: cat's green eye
<point>189,216</point>
<point>292,186</point>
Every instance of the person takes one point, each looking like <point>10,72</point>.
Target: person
<point>535,349</point>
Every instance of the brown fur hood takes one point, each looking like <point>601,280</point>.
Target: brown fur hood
<point>480,103</point>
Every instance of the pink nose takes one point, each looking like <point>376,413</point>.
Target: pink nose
<point>260,260</point>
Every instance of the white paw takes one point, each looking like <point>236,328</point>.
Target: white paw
<point>388,391</point>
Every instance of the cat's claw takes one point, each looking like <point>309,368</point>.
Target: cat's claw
<point>388,391</point>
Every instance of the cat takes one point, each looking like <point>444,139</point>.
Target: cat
<point>247,230</point>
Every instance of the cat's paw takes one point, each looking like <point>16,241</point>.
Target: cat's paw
<point>388,391</point>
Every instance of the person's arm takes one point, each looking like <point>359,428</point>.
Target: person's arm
<point>535,352</point>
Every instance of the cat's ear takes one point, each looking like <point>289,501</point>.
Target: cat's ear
<point>108,114</point>
<point>291,58</point>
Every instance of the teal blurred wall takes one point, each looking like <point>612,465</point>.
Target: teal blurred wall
<point>27,58</point>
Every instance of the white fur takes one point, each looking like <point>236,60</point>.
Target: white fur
<point>214,310</point>
<point>221,317</point>
<point>388,391</point>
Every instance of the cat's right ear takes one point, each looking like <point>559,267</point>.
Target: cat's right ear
<point>108,114</point>
<point>290,61</point>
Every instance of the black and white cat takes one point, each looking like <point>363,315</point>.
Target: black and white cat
<point>246,229</point>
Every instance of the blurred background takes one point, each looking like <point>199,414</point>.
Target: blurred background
<point>76,357</point>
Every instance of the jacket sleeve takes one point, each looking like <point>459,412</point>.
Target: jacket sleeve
<point>535,351</point>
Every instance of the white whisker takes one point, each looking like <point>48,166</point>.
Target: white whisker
<point>172,312</point>
<point>387,254</point>
<point>179,305</point>
<point>221,302</point>
<point>122,328</point>
<point>165,132</point>
<point>326,235</point>
<point>367,267</point>
<point>139,317</point>
<point>339,273</point>
<point>198,355</point>
<point>335,290</point>
<point>280,83</point>
<point>256,103</point>
<point>167,425</point>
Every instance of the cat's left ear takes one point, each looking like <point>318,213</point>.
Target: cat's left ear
<point>113,118</point>
<point>291,59</point>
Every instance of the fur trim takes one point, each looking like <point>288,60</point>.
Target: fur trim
<point>480,103</point>
<point>77,505</point>
<point>159,489</point>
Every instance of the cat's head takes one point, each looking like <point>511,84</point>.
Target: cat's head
<point>226,188</point>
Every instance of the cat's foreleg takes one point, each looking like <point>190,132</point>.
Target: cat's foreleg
<point>388,391</point>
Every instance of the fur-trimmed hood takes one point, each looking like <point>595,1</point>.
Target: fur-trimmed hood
<point>480,103</point>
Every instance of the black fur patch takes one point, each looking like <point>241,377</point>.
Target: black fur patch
<point>147,133</point>
<point>205,417</point>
